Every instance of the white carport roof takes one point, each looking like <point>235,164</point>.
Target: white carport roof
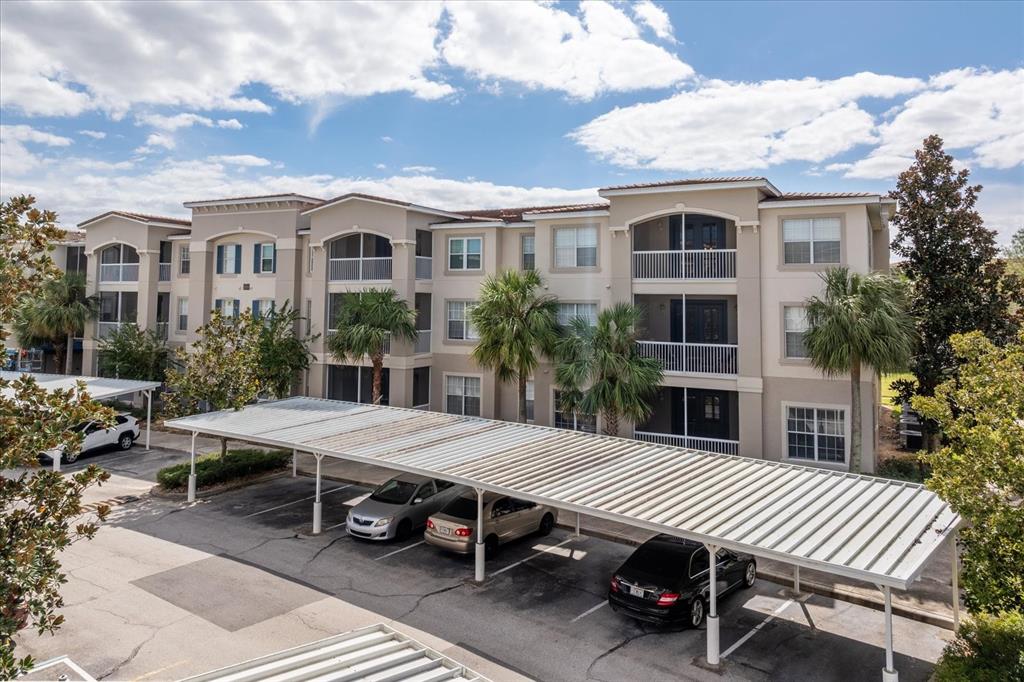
<point>99,388</point>
<point>861,527</point>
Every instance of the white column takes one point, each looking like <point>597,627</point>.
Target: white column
<point>295,457</point>
<point>713,648</point>
<point>479,573</point>
<point>149,416</point>
<point>956,584</point>
<point>192,473</point>
<point>889,673</point>
<point>317,506</point>
<point>577,524</point>
<point>796,579</point>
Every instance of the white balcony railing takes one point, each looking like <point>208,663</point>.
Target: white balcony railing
<point>161,330</point>
<point>358,269</point>
<point>692,358</point>
<point>696,264</point>
<point>723,447</point>
<point>165,272</point>
<point>105,329</point>
<point>119,272</point>
<point>422,342</point>
<point>424,267</point>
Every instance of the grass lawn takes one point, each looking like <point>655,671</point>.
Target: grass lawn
<point>888,395</point>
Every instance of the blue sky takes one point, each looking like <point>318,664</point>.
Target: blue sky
<point>143,106</point>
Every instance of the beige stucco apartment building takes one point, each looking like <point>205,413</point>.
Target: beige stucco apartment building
<point>721,266</point>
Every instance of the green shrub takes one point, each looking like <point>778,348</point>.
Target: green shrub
<point>212,469</point>
<point>904,469</point>
<point>987,649</point>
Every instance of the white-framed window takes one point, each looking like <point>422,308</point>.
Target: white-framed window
<point>816,434</point>
<point>309,316</point>
<point>530,396</point>
<point>310,258</point>
<point>576,247</point>
<point>262,307</point>
<point>264,260</point>
<point>464,253</point>
<point>459,326</point>
<point>229,259</point>
<point>228,307</point>
<point>570,311</point>
<point>462,395</point>
<point>183,314</point>
<point>184,260</point>
<point>811,240</point>
<point>573,422</point>
<point>529,255</point>
<point>794,320</point>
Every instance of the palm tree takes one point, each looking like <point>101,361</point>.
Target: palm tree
<point>57,314</point>
<point>517,325</point>
<point>365,322</point>
<point>862,320</point>
<point>601,372</point>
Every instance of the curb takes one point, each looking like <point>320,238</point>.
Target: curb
<point>155,491</point>
<point>830,591</point>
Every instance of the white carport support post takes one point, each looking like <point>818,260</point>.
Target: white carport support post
<point>317,505</point>
<point>889,673</point>
<point>192,471</point>
<point>149,415</point>
<point>713,649</point>
<point>56,462</point>
<point>577,525</point>
<point>796,578</point>
<point>479,553</point>
<point>956,583</point>
<point>295,466</point>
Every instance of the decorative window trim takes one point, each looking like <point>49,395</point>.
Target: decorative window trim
<point>456,375</point>
<point>470,334</point>
<point>783,357</point>
<point>464,269</point>
<point>596,267</point>
<point>576,305</point>
<point>523,253</point>
<point>812,266</point>
<point>845,464</point>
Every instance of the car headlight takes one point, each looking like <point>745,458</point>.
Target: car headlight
<point>385,521</point>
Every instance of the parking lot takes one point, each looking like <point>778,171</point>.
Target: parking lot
<point>541,612</point>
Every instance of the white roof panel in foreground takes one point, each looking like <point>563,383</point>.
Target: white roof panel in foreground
<point>861,527</point>
<point>99,388</point>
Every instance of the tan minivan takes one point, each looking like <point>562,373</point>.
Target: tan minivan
<point>505,519</point>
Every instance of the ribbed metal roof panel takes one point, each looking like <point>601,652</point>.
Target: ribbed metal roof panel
<point>98,388</point>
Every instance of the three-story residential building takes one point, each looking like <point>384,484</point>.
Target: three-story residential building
<point>721,266</point>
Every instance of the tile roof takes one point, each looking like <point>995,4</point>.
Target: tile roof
<point>144,217</point>
<point>515,215</point>
<point>796,196</point>
<point>689,181</point>
<point>258,196</point>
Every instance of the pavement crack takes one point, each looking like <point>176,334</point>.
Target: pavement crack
<point>421,599</point>
<point>322,550</point>
<point>612,650</point>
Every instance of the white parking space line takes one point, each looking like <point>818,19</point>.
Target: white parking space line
<point>753,631</point>
<point>589,611</point>
<point>304,499</point>
<point>532,556</point>
<point>400,549</point>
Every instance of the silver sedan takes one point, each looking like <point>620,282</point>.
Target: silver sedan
<point>400,506</point>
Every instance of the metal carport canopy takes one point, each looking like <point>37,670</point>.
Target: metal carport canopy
<point>856,526</point>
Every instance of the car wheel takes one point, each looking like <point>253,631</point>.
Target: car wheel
<point>69,457</point>
<point>491,547</point>
<point>125,441</point>
<point>696,612</point>
<point>749,574</point>
<point>546,524</point>
<point>404,529</point>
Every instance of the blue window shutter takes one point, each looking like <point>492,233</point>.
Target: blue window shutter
<point>256,259</point>
<point>238,259</point>
<point>220,259</point>
<point>273,267</point>
<point>238,304</point>
<point>256,308</point>
<point>218,305</point>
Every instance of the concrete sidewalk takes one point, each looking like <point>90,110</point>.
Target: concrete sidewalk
<point>929,600</point>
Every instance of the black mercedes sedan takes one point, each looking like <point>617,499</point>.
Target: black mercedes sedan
<point>665,581</point>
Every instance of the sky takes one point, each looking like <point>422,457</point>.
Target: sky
<point>142,106</point>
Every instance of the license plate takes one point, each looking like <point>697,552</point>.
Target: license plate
<point>636,591</point>
<point>446,531</point>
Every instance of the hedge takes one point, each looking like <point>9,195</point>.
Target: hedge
<point>211,469</point>
<point>987,649</point>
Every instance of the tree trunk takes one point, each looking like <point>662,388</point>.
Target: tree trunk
<point>611,423</point>
<point>378,369</point>
<point>855,418</point>
<point>522,399</point>
<point>223,447</point>
<point>70,354</point>
<point>59,357</point>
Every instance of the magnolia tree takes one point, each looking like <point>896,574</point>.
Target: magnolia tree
<point>42,512</point>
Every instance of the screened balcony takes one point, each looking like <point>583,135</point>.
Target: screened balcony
<point>119,263</point>
<point>424,254</point>
<point>690,334</point>
<point>698,419</point>
<point>359,258</point>
<point>685,246</point>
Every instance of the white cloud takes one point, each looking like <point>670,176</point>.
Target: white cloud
<point>540,46</point>
<point>15,156</point>
<point>113,57</point>
<point>239,160</point>
<point>24,133</point>
<point>380,166</point>
<point>156,140</point>
<point>94,134</point>
<point>386,138</point>
<point>655,18</point>
<point>185,120</point>
<point>229,123</point>
<point>979,112</point>
<point>418,169</point>
<point>723,125</point>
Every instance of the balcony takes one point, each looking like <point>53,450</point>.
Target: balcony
<point>387,341</point>
<point>701,264</point>
<point>424,267</point>
<point>359,269</point>
<point>161,330</point>
<point>692,358</point>
<point>422,344</point>
<point>165,272</point>
<point>720,446</point>
<point>692,418</point>
<point>105,329</point>
<point>119,272</point>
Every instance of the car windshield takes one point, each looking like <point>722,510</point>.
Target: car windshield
<point>394,492</point>
<point>461,508</point>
